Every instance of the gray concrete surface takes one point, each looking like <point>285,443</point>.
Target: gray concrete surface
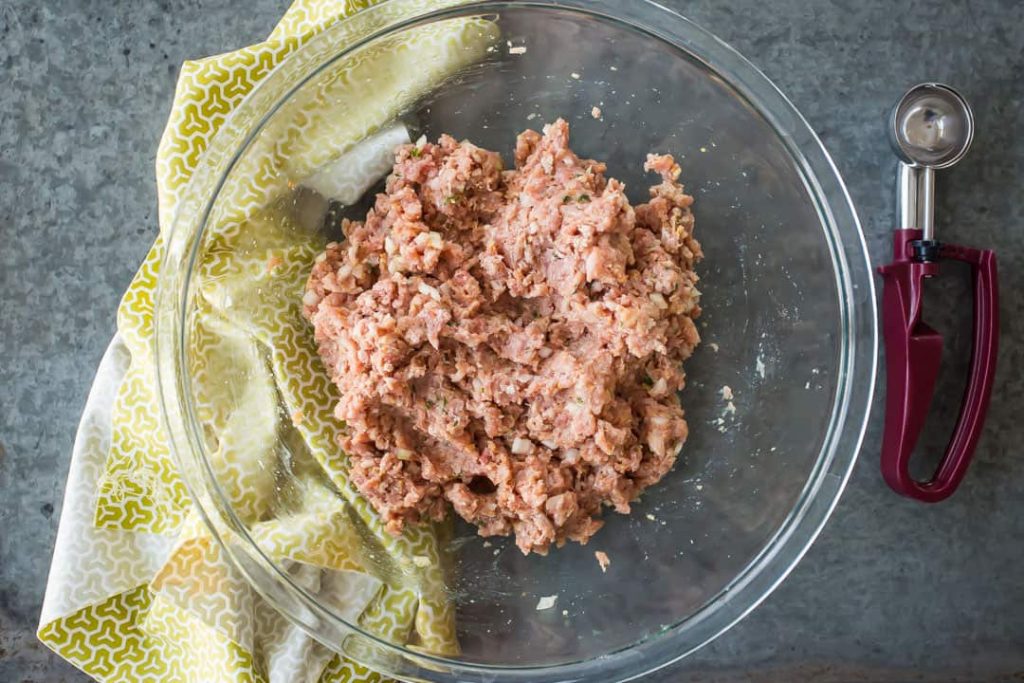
<point>893,590</point>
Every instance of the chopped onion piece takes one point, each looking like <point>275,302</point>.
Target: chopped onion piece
<point>521,446</point>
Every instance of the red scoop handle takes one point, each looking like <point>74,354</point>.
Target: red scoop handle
<point>913,355</point>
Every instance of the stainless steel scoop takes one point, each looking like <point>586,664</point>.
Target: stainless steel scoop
<point>931,128</point>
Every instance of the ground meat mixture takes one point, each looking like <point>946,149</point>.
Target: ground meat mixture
<point>510,342</point>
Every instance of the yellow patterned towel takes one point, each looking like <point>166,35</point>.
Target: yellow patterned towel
<point>138,590</point>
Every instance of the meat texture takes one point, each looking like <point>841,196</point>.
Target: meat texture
<point>510,341</point>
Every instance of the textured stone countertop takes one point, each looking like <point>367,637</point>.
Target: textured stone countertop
<point>892,591</point>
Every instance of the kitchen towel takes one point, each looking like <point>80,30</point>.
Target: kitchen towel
<point>138,589</point>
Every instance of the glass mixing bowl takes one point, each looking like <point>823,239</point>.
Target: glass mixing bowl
<point>788,326</point>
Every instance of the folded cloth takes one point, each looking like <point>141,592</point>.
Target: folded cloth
<point>138,589</point>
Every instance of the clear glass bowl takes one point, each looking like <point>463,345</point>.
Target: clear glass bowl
<point>788,324</point>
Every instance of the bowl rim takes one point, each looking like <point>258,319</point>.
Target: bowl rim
<point>763,573</point>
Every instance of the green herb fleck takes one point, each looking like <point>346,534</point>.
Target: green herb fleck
<point>566,199</point>
<point>580,400</point>
<point>584,198</point>
<point>415,152</point>
<point>648,380</point>
<point>430,405</point>
<point>453,199</point>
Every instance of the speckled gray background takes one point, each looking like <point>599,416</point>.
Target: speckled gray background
<point>892,591</point>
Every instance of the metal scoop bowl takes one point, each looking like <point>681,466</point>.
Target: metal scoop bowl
<point>931,128</point>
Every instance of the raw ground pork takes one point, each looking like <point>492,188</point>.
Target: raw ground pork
<point>510,342</point>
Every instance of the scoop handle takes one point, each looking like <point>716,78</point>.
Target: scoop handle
<point>913,356</point>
